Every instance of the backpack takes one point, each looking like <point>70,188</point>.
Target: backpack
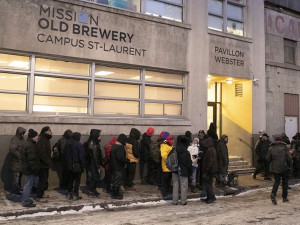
<point>172,161</point>
<point>155,152</point>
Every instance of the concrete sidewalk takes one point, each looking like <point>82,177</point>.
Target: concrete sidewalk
<point>56,201</point>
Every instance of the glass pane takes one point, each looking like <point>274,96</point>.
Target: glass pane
<point>172,110</point>
<point>117,73</point>
<point>154,109</point>
<point>116,107</point>
<point>159,93</point>
<point>14,82</point>
<point>218,119</point>
<point>61,86</point>
<point>211,92</point>
<point>13,102</point>
<point>215,23</point>
<point>179,2</point>
<point>163,77</point>
<point>234,27</point>
<point>210,115</point>
<point>163,10</point>
<point>14,61</point>
<point>234,12</point>
<point>215,7</point>
<point>105,89</point>
<point>219,92</point>
<point>132,5</point>
<point>59,104</point>
<point>54,66</point>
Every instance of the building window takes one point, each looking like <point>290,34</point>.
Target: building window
<point>226,16</point>
<point>290,51</point>
<point>58,86</point>
<point>167,9</point>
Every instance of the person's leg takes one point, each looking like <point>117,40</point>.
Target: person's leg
<point>41,185</point>
<point>184,182</point>
<point>277,177</point>
<point>285,178</point>
<point>193,177</point>
<point>28,184</point>
<point>142,164</point>
<point>164,183</point>
<point>77,177</point>
<point>266,168</point>
<point>175,179</point>
<point>207,182</point>
<point>131,175</point>
<point>15,183</point>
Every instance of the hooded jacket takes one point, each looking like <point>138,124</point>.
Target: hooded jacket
<point>184,157</point>
<point>44,148</point>
<point>118,157</point>
<point>210,157</point>
<point>164,151</point>
<point>92,149</point>
<point>222,156</point>
<point>279,157</point>
<point>132,145</point>
<point>262,148</point>
<point>29,158</point>
<point>16,146</point>
<point>145,147</point>
<point>108,148</point>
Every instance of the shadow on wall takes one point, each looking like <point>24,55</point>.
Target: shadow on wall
<point>240,141</point>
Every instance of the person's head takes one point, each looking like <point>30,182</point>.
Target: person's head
<point>20,132</point>
<point>161,134</point>
<point>46,131</point>
<point>95,135</point>
<point>33,135</point>
<point>277,137</point>
<point>68,134</point>
<point>196,141</point>
<point>150,132</point>
<point>76,136</point>
<point>170,140</point>
<point>201,134</point>
<point>224,137</point>
<point>122,138</point>
<point>265,136</point>
<point>135,133</point>
<point>166,134</point>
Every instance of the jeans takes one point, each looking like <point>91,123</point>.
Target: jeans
<point>207,183</point>
<point>183,182</point>
<point>194,176</point>
<point>28,184</point>
<point>285,178</point>
<point>43,182</point>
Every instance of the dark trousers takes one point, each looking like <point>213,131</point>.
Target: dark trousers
<point>16,182</point>
<point>285,177</point>
<point>94,177</point>
<point>117,178</point>
<point>43,182</point>
<point>166,183</point>
<point>130,174</point>
<point>262,165</point>
<point>207,183</point>
<point>144,170</point>
<point>107,179</point>
<point>73,182</point>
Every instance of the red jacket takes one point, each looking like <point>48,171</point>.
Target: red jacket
<point>107,148</point>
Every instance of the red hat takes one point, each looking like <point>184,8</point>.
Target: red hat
<point>161,134</point>
<point>150,131</point>
<point>170,140</point>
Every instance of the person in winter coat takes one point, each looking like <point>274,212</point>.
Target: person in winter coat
<point>30,166</point>
<point>212,132</point>
<point>261,149</point>
<point>180,178</point>
<point>108,170</point>
<point>145,156</point>
<point>188,135</point>
<point>118,163</point>
<point>209,168</point>
<point>58,160</point>
<point>16,146</point>
<point>74,161</point>
<point>201,136</point>
<point>44,152</point>
<point>223,161</point>
<point>133,154</point>
<point>166,176</point>
<point>94,157</point>
<point>280,161</point>
<point>194,151</point>
<point>296,155</point>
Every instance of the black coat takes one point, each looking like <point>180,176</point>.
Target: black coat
<point>93,153</point>
<point>210,157</point>
<point>222,156</point>
<point>262,148</point>
<point>133,138</point>
<point>29,158</point>
<point>279,157</point>
<point>74,153</point>
<point>16,146</point>
<point>44,151</point>
<point>184,158</point>
<point>145,148</point>
<point>118,157</point>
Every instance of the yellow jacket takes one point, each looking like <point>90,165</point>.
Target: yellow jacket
<point>129,153</point>
<point>164,152</point>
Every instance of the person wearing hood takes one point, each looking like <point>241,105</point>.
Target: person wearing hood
<point>194,151</point>
<point>94,157</point>
<point>166,175</point>
<point>180,178</point>
<point>201,136</point>
<point>280,160</point>
<point>212,132</point>
<point>223,161</point>
<point>209,168</point>
<point>30,167</point>
<point>74,161</point>
<point>296,155</point>
<point>58,160</point>
<point>44,152</point>
<point>108,170</point>
<point>188,135</point>
<point>17,144</point>
<point>118,162</point>
<point>145,156</point>
<point>133,154</point>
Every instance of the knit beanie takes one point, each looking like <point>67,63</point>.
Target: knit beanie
<point>150,131</point>
<point>122,138</point>
<point>32,133</point>
<point>166,134</point>
<point>161,134</point>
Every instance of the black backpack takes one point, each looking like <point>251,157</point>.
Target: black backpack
<point>172,161</point>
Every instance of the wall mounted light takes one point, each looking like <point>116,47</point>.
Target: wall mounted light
<point>229,81</point>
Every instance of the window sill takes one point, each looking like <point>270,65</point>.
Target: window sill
<point>231,36</point>
<point>283,65</point>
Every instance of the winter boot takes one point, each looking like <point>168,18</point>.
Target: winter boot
<point>273,199</point>
<point>76,197</point>
<point>116,194</point>
<point>69,196</point>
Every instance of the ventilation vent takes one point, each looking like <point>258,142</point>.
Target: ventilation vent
<point>238,90</point>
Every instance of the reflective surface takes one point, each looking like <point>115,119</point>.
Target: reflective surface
<point>13,82</point>
<point>102,106</point>
<point>15,102</point>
